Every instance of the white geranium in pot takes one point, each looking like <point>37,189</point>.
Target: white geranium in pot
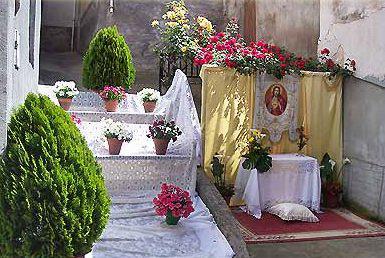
<point>149,98</point>
<point>65,91</point>
<point>116,133</point>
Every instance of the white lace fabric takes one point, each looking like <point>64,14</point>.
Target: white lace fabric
<point>292,179</point>
<point>135,231</point>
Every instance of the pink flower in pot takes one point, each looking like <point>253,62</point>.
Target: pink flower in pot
<point>161,133</point>
<point>174,203</point>
<point>65,92</point>
<point>112,96</point>
<point>116,133</point>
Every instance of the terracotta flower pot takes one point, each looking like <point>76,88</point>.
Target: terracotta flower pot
<point>114,146</point>
<point>161,146</point>
<point>111,105</point>
<point>170,219</point>
<point>149,106</point>
<point>65,103</point>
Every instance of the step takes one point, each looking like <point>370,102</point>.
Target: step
<point>137,167</point>
<point>89,106</point>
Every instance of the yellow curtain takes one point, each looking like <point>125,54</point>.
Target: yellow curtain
<point>227,110</point>
<point>320,111</point>
<point>226,116</point>
<point>321,102</point>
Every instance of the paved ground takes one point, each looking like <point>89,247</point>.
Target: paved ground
<point>371,247</point>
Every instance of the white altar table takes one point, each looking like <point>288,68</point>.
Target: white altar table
<point>291,179</point>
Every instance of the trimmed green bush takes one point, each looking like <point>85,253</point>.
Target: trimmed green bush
<point>108,61</point>
<point>53,200</point>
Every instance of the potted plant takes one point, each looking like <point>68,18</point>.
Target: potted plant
<point>161,133</point>
<point>149,98</point>
<point>116,134</point>
<point>112,96</point>
<point>53,201</point>
<point>65,91</point>
<point>257,156</point>
<point>331,181</point>
<point>174,203</point>
<point>218,170</point>
<point>108,61</point>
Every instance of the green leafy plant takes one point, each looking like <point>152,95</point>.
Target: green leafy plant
<point>108,61</point>
<point>53,200</point>
<point>218,171</point>
<point>331,177</point>
<point>257,156</point>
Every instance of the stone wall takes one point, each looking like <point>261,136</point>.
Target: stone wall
<point>133,19</point>
<point>15,84</point>
<point>364,144</point>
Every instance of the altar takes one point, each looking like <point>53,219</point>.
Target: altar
<point>291,179</point>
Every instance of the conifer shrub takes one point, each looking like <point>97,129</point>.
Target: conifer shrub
<point>53,200</point>
<point>108,61</point>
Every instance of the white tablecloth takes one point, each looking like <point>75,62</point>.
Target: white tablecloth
<point>292,179</point>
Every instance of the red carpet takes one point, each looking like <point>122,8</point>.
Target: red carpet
<point>333,224</point>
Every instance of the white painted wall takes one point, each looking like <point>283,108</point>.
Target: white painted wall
<point>356,29</point>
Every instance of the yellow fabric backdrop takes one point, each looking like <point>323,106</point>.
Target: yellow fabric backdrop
<point>227,110</point>
<point>226,115</point>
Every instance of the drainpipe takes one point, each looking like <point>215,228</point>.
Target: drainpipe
<point>73,26</point>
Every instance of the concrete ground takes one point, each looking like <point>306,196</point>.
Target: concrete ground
<point>370,247</point>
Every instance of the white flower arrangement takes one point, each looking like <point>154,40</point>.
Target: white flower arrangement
<point>64,89</point>
<point>115,130</point>
<point>149,95</point>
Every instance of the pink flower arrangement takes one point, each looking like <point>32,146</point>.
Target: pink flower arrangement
<point>173,199</point>
<point>112,93</point>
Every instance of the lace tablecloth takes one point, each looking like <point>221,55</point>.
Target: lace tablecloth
<point>292,179</point>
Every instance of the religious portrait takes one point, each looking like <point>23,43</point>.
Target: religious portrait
<point>276,99</point>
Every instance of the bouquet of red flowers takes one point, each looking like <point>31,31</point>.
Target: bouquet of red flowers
<point>161,129</point>
<point>174,203</point>
<point>112,93</point>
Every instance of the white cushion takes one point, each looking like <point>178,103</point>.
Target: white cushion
<point>292,211</point>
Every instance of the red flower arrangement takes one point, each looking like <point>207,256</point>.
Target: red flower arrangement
<point>76,119</point>
<point>112,93</point>
<point>173,201</point>
<point>228,49</point>
<point>161,129</point>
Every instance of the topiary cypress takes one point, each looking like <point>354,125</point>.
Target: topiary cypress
<point>108,61</point>
<point>53,200</point>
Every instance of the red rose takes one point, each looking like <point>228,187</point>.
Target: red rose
<point>325,51</point>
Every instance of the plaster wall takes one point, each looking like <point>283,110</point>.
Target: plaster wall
<point>355,29</point>
<point>290,23</point>
<point>15,84</point>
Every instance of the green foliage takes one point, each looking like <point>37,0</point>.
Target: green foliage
<point>53,200</point>
<point>257,156</point>
<point>108,61</point>
<point>218,170</point>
